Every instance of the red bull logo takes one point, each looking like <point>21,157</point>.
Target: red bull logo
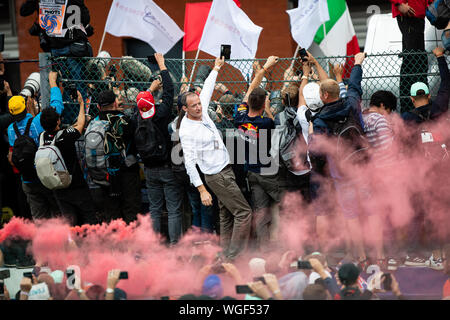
<point>249,127</point>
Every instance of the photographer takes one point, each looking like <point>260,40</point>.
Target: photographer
<point>69,39</point>
<point>41,200</point>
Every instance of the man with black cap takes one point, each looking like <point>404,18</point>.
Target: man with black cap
<point>41,200</point>
<point>154,145</point>
<point>119,191</point>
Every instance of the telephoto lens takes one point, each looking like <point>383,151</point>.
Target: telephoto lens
<point>32,85</point>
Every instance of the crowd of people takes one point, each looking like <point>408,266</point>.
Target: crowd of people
<point>319,172</point>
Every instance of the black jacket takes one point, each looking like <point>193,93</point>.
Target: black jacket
<point>162,118</point>
<point>32,6</point>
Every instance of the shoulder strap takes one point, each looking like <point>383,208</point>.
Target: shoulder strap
<point>27,129</point>
<point>308,115</point>
<point>16,129</point>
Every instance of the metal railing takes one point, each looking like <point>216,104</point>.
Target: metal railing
<point>130,75</point>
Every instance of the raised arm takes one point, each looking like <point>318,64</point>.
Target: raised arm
<point>306,72</point>
<point>165,108</point>
<point>209,85</point>
<point>271,61</point>
<point>56,100</point>
<point>323,75</point>
<point>81,115</point>
<point>440,103</point>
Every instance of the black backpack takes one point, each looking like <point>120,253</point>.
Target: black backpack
<point>351,143</point>
<point>150,141</point>
<point>23,153</point>
<point>293,149</point>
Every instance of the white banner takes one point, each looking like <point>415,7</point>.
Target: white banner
<point>228,24</point>
<point>143,20</point>
<point>306,20</point>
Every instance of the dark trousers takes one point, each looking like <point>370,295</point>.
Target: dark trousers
<point>41,200</point>
<point>162,185</point>
<point>76,205</point>
<point>235,212</point>
<point>128,204</point>
<point>415,61</point>
<point>265,192</point>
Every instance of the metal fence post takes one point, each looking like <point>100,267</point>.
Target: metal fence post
<point>44,70</point>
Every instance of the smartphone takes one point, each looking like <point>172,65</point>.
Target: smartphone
<point>28,275</point>
<point>387,282</point>
<point>2,288</point>
<point>244,289</point>
<point>259,279</point>
<point>151,59</point>
<point>123,275</point>
<point>2,42</point>
<point>225,51</point>
<point>303,54</point>
<point>4,274</point>
<point>165,298</point>
<point>303,265</point>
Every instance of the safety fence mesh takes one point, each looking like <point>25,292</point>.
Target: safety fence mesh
<point>392,71</point>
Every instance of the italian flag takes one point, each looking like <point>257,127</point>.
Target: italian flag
<point>338,38</point>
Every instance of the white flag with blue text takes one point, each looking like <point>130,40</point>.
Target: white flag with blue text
<point>143,20</point>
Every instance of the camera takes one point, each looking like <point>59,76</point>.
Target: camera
<point>72,88</point>
<point>32,85</point>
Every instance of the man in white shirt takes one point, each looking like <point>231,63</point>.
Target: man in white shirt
<point>202,145</point>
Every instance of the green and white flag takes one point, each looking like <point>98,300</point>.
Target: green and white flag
<point>338,37</point>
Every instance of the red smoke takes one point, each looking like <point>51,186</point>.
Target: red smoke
<point>155,270</point>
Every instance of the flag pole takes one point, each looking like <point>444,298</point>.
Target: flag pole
<point>295,55</point>
<point>101,43</point>
<point>183,56</point>
<point>193,68</point>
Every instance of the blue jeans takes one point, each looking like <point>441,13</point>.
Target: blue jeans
<point>73,70</point>
<point>162,185</point>
<point>202,216</point>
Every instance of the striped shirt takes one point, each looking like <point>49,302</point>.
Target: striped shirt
<point>380,135</point>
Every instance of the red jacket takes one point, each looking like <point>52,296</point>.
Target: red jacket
<point>419,6</point>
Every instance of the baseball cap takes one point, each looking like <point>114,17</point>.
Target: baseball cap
<point>146,104</point>
<point>16,105</point>
<point>419,86</point>
<point>106,98</point>
<point>311,93</point>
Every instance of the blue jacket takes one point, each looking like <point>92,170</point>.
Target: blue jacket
<point>332,112</point>
<point>36,128</point>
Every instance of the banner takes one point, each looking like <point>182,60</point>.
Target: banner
<point>228,24</point>
<point>143,20</point>
<point>307,19</point>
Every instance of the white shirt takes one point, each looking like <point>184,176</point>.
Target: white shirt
<point>301,117</point>
<point>201,141</point>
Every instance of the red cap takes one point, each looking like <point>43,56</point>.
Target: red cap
<point>146,104</point>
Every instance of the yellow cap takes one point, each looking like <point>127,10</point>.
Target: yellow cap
<point>16,105</point>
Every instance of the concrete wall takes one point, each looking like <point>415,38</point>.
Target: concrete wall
<point>275,38</point>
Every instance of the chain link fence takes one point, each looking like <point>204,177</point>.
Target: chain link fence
<point>128,76</point>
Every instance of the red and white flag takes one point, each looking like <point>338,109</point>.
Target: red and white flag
<point>194,22</point>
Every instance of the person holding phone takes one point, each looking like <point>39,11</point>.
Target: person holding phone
<point>255,130</point>
<point>203,146</point>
